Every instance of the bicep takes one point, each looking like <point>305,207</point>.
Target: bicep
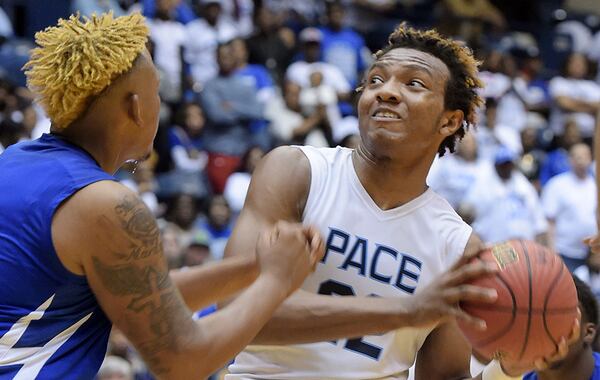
<point>278,191</point>
<point>117,242</point>
<point>449,350</point>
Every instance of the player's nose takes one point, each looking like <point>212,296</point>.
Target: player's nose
<point>387,93</point>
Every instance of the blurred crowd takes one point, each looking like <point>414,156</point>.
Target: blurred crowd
<point>240,77</point>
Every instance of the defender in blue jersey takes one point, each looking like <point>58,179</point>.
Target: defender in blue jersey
<point>581,363</point>
<point>79,251</point>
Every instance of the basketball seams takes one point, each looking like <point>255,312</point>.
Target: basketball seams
<point>507,328</point>
<point>529,279</point>
<point>548,294</point>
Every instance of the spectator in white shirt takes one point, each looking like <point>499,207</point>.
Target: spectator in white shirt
<point>574,94</point>
<point>202,38</point>
<point>452,175</point>
<point>493,135</point>
<point>505,204</point>
<point>569,201</point>
<point>168,37</point>
<point>300,72</point>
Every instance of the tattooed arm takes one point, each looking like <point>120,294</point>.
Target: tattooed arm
<point>106,233</point>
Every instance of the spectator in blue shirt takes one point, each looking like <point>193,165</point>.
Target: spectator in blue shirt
<point>557,161</point>
<point>343,47</point>
<point>258,76</point>
<point>581,363</point>
<point>231,105</point>
<point>183,12</point>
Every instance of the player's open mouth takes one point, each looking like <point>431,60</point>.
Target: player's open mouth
<point>386,114</point>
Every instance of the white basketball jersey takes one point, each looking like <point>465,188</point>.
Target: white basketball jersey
<point>369,252</point>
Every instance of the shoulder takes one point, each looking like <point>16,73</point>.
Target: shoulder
<point>280,182</point>
<point>94,219</point>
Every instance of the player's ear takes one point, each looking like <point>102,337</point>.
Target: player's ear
<point>134,110</point>
<point>450,122</point>
<point>589,333</point>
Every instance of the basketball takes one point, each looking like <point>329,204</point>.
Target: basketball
<point>536,304</point>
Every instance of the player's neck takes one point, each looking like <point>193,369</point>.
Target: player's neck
<point>581,368</point>
<point>390,183</point>
<point>96,144</point>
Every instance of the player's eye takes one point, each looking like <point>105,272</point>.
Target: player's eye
<point>376,80</point>
<point>416,83</point>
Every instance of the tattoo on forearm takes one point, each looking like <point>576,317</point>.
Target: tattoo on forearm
<point>146,284</point>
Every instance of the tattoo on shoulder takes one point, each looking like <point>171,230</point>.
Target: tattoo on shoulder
<point>140,226</point>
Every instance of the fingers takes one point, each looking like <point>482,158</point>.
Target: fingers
<point>576,330</point>
<point>470,271</point>
<point>468,319</point>
<point>470,293</point>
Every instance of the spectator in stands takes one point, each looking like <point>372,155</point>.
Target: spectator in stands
<point>533,156</point>
<point>197,251</point>
<point>171,243</point>
<point>238,182</point>
<point>321,96</point>
<point>467,19</point>
<point>231,104</point>
<point>529,85</point>
<point>574,95</point>
<point>6,28</point>
<point>590,272</point>
<point>290,125</point>
<point>168,36</point>
<point>453,175</point>
<point>506,206</point>
<point>343,47</point>
<point>569,201</point>
<point>300,72</point>
<point>183,212</point>
<point>188,154</point>
<point>239,13</point>
<point>183,12</point>
<point>203,35</point>
<point>557,160</point>
<point>493,135</point>
<point>498,73</point>
<point>186,138</point>
<point>88,7</point>
<point>271,45</point>
<point>218,225</point>
<point>258,76</point>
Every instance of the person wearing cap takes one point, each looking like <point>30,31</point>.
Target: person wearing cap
<point>505,204</point>
<point>300,72</point>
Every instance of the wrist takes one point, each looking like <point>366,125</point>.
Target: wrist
<point>276,287</point>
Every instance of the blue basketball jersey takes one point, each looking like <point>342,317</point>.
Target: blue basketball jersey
<point>595,374</point>
<point>51,326</point>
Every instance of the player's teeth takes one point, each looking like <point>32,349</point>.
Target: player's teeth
<point>389,115</point>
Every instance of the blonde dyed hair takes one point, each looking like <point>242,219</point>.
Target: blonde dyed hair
<point>79,58</point>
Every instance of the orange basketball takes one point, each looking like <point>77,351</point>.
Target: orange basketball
<point>536,304</point>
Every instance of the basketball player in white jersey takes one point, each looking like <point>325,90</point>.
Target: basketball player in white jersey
<point>390,240</point>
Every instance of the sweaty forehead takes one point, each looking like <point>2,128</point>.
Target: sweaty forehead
<point>404,57</point>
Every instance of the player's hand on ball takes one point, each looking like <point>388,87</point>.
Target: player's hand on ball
<point>440,300</point>
<point>289,252</point>
<point>541,364</point>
